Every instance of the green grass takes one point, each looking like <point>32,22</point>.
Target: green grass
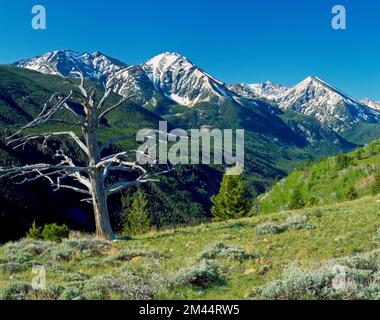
<point>323,182</point>
<point>339,230</point>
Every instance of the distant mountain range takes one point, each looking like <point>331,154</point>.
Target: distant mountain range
<point>314,97</point>
<point>372,104</point>
<point>169,74</point>
<point>171,78</point>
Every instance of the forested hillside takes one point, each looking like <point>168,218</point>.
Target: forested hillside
<point>335,179</point>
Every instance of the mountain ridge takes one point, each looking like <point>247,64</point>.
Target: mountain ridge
<point>170,78</point>
<point>316,98</point>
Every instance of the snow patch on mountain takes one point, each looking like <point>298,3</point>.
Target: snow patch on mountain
<point>182,81</point>
<point>269,90</point>
<point>172,76</point>
<point>375,105</point>
<point>95,66</point>
<point>317,98</point>
<point>314,97</point>
<point>168,74</point>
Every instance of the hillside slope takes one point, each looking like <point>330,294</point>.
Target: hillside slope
<point>327,181</point>
<point>228,260</point>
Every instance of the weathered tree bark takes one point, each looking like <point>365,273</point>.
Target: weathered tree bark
<point>97,187</point>
<point>99,201</point>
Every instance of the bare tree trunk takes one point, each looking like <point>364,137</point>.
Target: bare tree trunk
<point>99,197</point>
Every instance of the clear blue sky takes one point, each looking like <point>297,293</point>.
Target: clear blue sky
<point>235,40</point>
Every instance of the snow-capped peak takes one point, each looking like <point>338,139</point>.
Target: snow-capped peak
<point>315,97</point>
<point>375,105</point>
<point>315,83</point>
<point>177,78</point>
<point>168,73</point>
<point>182,81</point>
<point>93,66</point>
<point>269,90</point>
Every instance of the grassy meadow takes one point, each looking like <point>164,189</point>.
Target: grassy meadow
<point>237,259</point>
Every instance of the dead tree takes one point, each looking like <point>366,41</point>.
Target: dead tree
<point>93,176</point>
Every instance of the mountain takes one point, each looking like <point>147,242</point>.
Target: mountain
<point>316,98</point>
<point>273,144</point>
<point>183,82</point>
<point>268,91</point>
<point>170,78</point>
<point>356,121</point>
<point>95,66</point>
<point>170,85</point>
<point>174,88</point>
<point>170,74</point>
<point>372,104</point>
<point>313,131</point>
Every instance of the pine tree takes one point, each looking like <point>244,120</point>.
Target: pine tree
<point>138,218</point>
<point>375,188</point>
<point>296,200</point>
<point>231,201</point>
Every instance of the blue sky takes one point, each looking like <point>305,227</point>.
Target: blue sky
<point>235,41</point>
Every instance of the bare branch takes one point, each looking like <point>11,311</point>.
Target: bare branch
<point>107,92</point>
<point>39,175</point>
<point>45,114</point>
<point>118,186</point>
<point>72,111</point>
<point>115,162</point>
<point>88,200</point>
<point>111,158</point>
<point>63,186</point>
<point>24,140</point>
<point>39,168</point>
<point>122,100</point>
<point>77,175</point>
<point>81,85</point>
